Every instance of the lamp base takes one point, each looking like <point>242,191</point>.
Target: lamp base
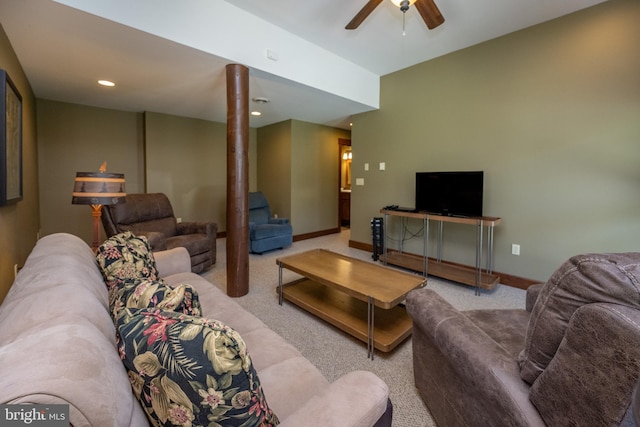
<point>96,213</point>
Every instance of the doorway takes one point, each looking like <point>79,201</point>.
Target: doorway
<point>344,182</point>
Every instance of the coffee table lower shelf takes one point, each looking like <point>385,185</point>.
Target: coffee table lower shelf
<point>349,314</point>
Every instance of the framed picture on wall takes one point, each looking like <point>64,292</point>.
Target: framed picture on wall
<point>10,141</point>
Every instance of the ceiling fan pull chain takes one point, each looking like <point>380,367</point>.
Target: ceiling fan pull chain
<point>404,33</point>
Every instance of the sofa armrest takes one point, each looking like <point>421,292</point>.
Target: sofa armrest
<point>156,239</point>
<point>357,399</point>
<point>172,261</point>
<point>193,227</point>
<point>453,332</point>
<point>532,295</point>
<point>485,370</point>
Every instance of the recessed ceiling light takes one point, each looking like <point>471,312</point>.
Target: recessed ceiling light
<point>256,113</point>
<point>106,83</point>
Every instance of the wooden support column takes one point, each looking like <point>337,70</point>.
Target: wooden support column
<point>237,180</point>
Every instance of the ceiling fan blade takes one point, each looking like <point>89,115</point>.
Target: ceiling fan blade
<point>430,13</point>
<point>362,15</point>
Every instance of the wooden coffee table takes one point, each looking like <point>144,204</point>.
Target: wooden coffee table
<point>345,291</point>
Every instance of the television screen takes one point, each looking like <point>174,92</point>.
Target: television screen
<point>450,193</point>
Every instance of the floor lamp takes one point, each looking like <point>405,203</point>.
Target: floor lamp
<point>98,189</point>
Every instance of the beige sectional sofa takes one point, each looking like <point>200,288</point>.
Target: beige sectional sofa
<point>58,346</point>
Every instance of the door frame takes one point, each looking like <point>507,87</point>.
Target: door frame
<point>341,143</point>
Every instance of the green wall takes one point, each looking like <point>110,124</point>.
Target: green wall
<point>298,172</point>
<point>19,222</point>
<point>182,157</point>
<point>274,166</point>
<point>315,188</point>
<point>75,138</point>
<point>187,160</point>
<point>550,113</point>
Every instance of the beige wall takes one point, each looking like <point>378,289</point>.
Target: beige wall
<point>187,160</point>
<point>550,113</point>
<point>298,172</point>
<point>75,138</point>
<point>19,222</point>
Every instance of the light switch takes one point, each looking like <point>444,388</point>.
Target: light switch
<point>382,166</point>
<point>359,181</point>
<point>366,166</point>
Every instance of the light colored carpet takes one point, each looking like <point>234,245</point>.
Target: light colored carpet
<point>334,352</point>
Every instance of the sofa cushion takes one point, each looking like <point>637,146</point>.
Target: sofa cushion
<point>191,370</point>
<point>583,279</point>
<point>590,380</point>
<point>147,293</point>
<point>141,209</point>
<point>126,256</point>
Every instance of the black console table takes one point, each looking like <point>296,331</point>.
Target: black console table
<point>474,276</point>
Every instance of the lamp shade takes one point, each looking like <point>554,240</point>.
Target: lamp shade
<point>98,188</point>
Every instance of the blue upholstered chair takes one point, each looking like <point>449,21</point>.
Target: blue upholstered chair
<point>266,233</point>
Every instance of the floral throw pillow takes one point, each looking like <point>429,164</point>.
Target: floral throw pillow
<point>126,256</point>
<point>190,371</point>
<point>147,293</point>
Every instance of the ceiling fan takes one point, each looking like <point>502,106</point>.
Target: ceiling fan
<point>427,9</point>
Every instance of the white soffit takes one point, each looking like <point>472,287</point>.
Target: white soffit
<point>223,30</point>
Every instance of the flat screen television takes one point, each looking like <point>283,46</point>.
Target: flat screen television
<point>450,193</point>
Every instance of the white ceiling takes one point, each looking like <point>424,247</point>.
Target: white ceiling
<point>169,57</point>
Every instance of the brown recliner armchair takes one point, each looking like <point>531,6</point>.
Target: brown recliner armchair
<point>151,215</point>
<point>571,358</point>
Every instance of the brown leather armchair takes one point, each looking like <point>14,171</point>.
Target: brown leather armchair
<point>571,358</point>
<point>151,215</point>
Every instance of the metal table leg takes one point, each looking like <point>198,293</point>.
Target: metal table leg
<point>479,245</point>
<point>425,243</point>
<point>383,238</point>
<point>490,249</point>
<point>280,297</point>
<point>370,328</point>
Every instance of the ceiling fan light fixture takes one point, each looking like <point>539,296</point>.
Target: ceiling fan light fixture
<point>403,4</point>
<point>426,8</point>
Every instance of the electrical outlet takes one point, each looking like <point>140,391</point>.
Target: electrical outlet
<point>178,220</point>
<point>515,249</point>
<point>359,181</point>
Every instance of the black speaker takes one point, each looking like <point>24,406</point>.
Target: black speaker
<point>377,232</point>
